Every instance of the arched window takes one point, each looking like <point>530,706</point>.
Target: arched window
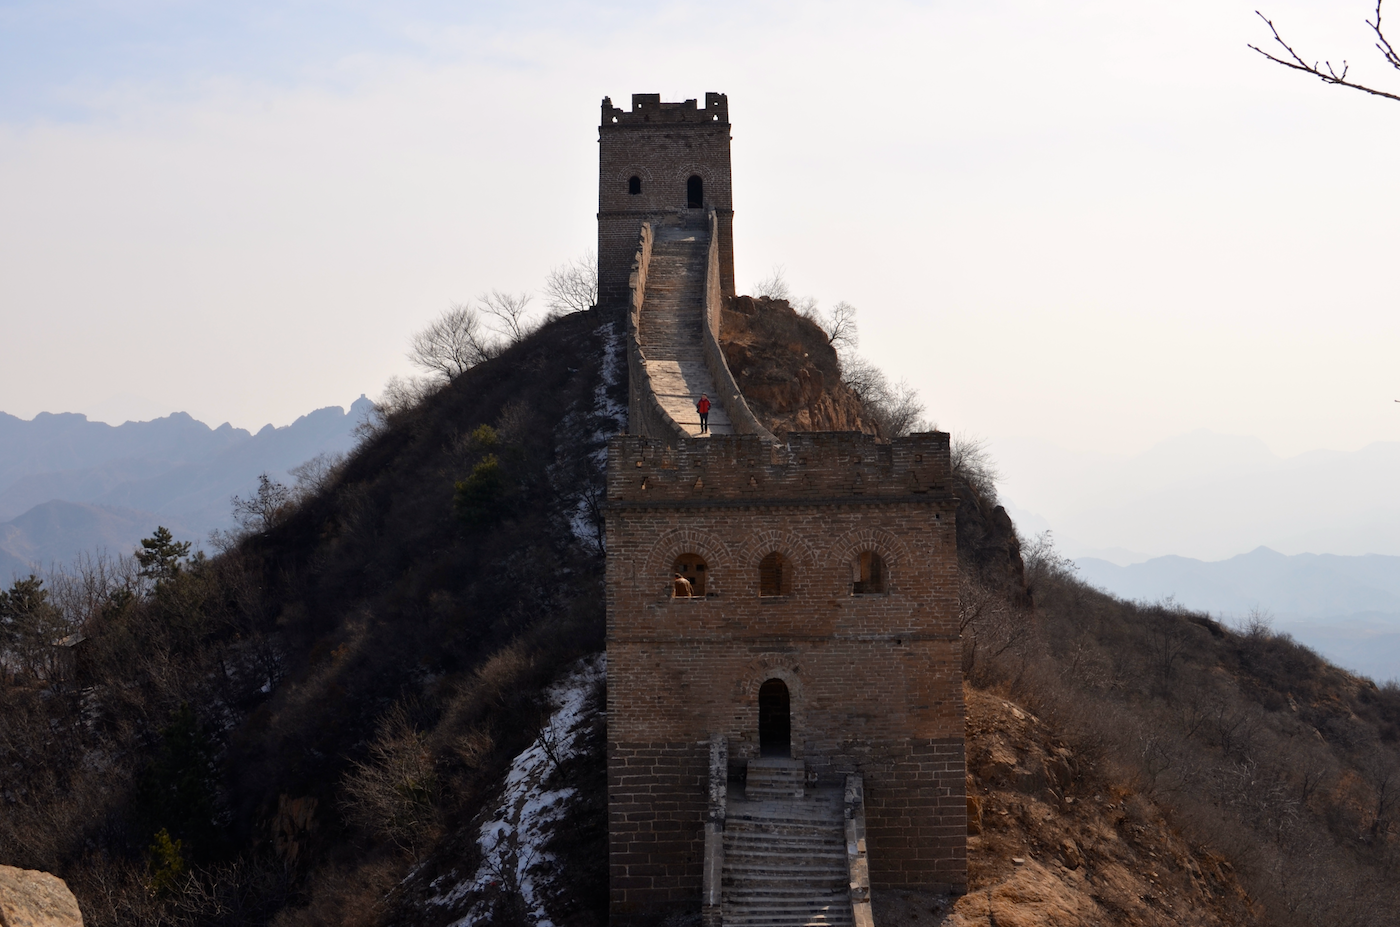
<point>695,192</point>
<point>775,575</point>
<point>634,185</point>
<point>688,576</point>
<point>870,574</point>
<point>774,719</point>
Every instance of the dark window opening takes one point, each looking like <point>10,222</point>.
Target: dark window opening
<point>774,719</point>
<point>694,192</point>
<point>870,574</point>
<point>634,185</point>
<point>688,576</point>
<point>774,575</point>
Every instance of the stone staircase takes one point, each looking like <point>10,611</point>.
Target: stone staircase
<point>785,859</point>
<point>671,320</point>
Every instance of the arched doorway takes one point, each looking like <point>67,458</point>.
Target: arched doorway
<point>774,719</point>
<point>695,192</point>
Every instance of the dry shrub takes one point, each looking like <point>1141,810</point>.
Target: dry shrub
<point>394,794</point>
<point>1254,746</point>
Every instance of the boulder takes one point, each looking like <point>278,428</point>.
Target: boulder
<point>36,899</point>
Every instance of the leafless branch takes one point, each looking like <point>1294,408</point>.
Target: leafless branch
<point>774,287</point>
<point>572,287</point>
<point>1325,71</point>
<point>455,342</point>
<point>510,310</point>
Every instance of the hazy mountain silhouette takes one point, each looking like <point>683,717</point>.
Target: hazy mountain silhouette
<point>69,485</point>
<point>57,532</point>
<point>1347,608</point>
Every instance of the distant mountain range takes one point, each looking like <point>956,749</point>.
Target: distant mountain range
<point>68,485</point>
<point>1346,608</point>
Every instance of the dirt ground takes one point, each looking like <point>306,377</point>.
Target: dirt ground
<point>1052,843</point>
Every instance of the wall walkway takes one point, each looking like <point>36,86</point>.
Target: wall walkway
<point>674,330</point>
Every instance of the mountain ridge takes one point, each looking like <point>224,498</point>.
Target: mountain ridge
<point>119,482</point>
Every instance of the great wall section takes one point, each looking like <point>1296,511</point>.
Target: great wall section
<point>785,708</point>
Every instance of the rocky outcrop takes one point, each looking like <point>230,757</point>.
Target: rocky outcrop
<point>988,547</point>
<point>36,899</point>
<point>788,372</point>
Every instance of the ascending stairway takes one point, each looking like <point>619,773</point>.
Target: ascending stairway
<point>784,852</point>
<point>671,324</point>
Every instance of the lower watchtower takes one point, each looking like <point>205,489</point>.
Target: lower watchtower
<point>795,604</point>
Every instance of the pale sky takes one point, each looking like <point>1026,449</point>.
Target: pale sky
<point>1087,222</point>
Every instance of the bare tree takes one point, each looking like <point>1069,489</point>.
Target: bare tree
<point>839,325</point>
<point>1325,71</point>
<point>264,509</point>
<point>894,408</point>
<point>316,475</point>
<point>572,287</point>
<point>972,461</point>
<point>509,310</point>
<point>453,343</point>
<point>773,286</point>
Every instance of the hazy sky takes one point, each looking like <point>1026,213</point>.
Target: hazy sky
<point>1097,223</point>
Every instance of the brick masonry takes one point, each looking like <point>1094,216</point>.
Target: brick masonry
<point>663,145</point>
<point>875,680</point>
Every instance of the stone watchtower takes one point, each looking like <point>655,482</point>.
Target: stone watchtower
<point>660,159</point>
<point>813,645</point>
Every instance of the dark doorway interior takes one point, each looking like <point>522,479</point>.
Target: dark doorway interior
<point>634,186</point>
<point>774,719</point>
<point>694,192</point>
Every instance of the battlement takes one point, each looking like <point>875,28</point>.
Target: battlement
<point>816,467</point>
<point>647,109</point>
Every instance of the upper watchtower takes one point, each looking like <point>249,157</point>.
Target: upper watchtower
<point>660,158</point>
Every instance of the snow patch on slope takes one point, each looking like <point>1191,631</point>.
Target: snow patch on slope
<point>512,841</point>
<point>607,418</point>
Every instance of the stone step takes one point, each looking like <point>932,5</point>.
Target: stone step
<point>742,880</point>
<point>801,918</point>
<point>749,854</point>
<point>787,915</point>
<point>824,893</point>
<point>803,818</point>
<point>785,859</point>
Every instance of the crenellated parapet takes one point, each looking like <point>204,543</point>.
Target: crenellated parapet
<point>647,109</point>
<point>808,468</point>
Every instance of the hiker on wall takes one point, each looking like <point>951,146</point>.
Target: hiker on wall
<point>703,407</point>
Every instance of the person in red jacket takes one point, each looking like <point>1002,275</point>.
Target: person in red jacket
<point>703,407</point>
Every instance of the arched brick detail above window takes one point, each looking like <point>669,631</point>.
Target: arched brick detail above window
<point>716,554</point>
<point>887,545</point>
<point>704,172</point>
<point>620,178</point>
<point>892,550</point>
<point>762,543</point>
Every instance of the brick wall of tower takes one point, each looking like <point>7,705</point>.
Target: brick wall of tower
<point>662,144</point>
<point>875,680</point>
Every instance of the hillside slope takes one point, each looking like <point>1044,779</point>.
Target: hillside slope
<point>384,710</point>
<point>278,734</point>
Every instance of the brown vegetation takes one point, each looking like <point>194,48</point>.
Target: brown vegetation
<point>277,734</point>
<point>1269,772</point>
